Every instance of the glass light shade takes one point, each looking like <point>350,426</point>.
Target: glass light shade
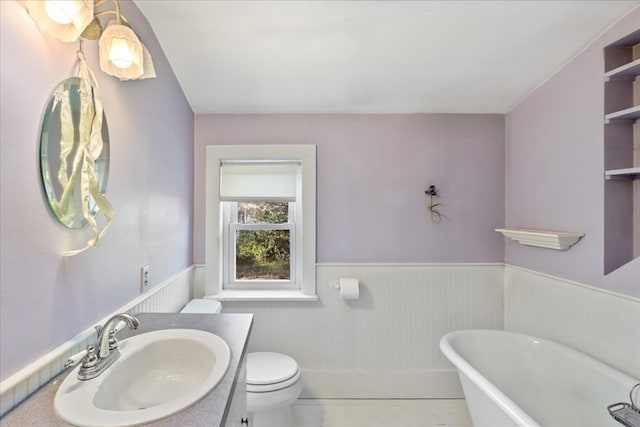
<point>121,53</point>
<point>62,19</point>
<point>149,70</point>
<point>62,11</point>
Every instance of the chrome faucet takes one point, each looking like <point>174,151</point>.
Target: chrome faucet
<point>94,364</point>
<point>106,341</point>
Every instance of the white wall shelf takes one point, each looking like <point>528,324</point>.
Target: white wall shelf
<point>629,173</point>
<point>558,240</point>
<point>623,115</point>
<point>627,71</point>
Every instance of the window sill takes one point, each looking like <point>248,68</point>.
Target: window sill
<point>262,295</point>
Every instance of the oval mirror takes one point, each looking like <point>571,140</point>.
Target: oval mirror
<point>61,156</point>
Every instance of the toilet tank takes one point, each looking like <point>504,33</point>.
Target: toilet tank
<point>203,306</point>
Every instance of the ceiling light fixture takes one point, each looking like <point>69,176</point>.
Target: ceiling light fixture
<point>121,52</point>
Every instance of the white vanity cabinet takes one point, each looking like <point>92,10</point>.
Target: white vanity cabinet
<point>238,408</point>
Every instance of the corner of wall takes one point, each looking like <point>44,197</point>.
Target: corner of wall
<point>576,315</point>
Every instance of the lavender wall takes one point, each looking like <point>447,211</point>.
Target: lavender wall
<point>555,169</point>
<point>45,299</point>
<point>372,174</point>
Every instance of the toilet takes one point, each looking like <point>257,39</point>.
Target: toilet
<point>273,385</point>
<point>273,379</point>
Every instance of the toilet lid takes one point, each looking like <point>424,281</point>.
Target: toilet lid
<point>270,368</point>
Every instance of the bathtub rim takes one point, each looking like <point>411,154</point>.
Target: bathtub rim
<point>516,413</point>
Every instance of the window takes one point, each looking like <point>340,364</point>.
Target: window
<point>261,236</point>
<point>260,222</point>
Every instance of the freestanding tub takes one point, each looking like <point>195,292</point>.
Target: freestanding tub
<point>511,379</point>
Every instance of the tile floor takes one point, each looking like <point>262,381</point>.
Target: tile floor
<point>380,413</point>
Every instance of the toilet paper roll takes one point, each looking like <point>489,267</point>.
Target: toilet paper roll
<point>349,288</point>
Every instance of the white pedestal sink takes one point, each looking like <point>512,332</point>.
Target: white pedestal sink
<point>158,374</point>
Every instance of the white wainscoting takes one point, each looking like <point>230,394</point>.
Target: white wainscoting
<point>602,324</point>
<point>386,343</point>
<point>168,297</point>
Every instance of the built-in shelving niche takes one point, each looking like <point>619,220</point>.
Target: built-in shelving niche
<point>622,152</point>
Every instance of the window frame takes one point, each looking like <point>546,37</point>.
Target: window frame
<point>216,284</point>
<point>230,226</point>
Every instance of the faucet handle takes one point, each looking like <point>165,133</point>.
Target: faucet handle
<point>86,356</point>
<point>113,342</point>
<point>119,326</point>
<point>91,359</point>
<point>75,359</point>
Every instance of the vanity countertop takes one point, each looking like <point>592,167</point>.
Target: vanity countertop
<point>211,410</point>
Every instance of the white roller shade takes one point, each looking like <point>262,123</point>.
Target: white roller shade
<point>272,181</point>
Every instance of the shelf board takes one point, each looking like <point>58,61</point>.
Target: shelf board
<point>625,72</point>
<point>623,115</point>
<point>558,240</point>
<point>629,173</point>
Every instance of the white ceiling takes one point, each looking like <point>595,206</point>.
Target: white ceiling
<point>371,56</point>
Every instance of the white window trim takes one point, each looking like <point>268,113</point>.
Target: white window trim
<point>228,260</point>
<point>306,155</point>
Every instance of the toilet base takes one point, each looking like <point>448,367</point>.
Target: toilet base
<point>272,409</point>
<point>279,417</point>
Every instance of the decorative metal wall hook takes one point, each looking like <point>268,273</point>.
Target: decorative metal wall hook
<point>80,51</point>
<point>432,192</point>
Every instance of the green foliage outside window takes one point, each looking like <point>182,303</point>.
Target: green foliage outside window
<point>262,254</point>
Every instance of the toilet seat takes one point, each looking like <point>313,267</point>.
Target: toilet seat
<point>270,372</point>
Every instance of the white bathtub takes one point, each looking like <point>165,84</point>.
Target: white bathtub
<point>511,379</point>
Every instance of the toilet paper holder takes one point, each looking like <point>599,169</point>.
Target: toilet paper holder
<point>349,287</point>
<point>336,282</point>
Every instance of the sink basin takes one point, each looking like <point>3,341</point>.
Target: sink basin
<point>158,374</point>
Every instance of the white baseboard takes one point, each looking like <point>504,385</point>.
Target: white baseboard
<point>442,384</point>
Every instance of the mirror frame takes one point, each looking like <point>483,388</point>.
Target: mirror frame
<point>50,141</point>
